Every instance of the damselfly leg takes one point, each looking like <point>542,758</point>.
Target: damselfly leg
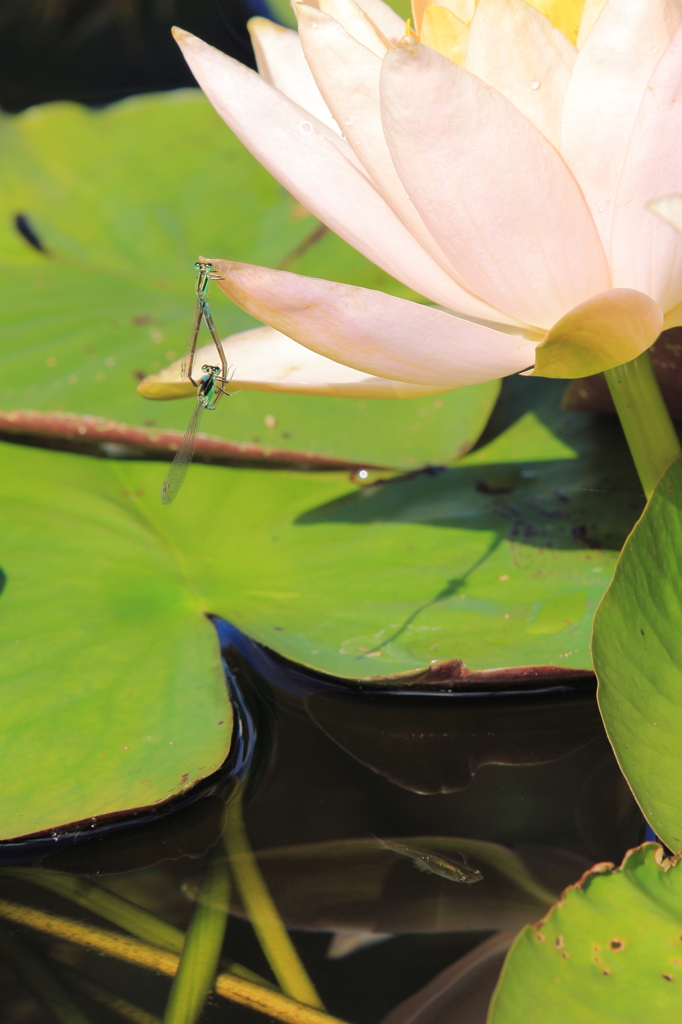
<point>202,313</point>
<point>210,386</point>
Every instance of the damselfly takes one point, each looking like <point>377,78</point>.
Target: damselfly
<point>208,386</point>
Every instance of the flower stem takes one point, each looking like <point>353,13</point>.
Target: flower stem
<point>645,419</point>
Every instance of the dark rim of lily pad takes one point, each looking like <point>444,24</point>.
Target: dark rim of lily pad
<point>237,766</point>
<point>449,678</point>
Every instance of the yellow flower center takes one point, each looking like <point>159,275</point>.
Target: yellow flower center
<point>445,26</point>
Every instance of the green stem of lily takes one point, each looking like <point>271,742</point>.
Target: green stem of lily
<point>645,419</point>
<point>201,952</point>
<point>262,912</point>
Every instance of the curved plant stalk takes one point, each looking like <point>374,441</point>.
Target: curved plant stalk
<point>118,1004</point>
<point>645,419</point>
<point>39,979</point>
<point>121,912</point>
<point>275,941</point>
<point>133,951</point>
<point>203,943</point>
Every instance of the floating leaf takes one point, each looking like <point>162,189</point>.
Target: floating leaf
<point>113,695</point>
<point>102,216</point>
<point>610,952</point>
<point>496,564</point>
<point>638,657</point>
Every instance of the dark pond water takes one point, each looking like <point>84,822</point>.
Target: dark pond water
<point>515,782</point>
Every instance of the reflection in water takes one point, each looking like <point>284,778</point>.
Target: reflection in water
<point>521,787</point>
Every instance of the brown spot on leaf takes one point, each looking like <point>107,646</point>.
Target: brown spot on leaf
<point>616,944</point>
<point>559,942</point>
<point>667,977</point>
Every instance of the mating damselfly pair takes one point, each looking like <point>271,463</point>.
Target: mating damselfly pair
<point>210,385</point>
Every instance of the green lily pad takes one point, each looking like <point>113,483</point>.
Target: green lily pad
<point>638,658</point>
<point>113,695</point>
<point>496,563</point>
<point>610,952</point>
<point>122,202</point>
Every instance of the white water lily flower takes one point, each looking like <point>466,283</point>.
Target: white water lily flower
<point>496,159</point>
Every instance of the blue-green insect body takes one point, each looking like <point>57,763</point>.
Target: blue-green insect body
<point>210,386</point>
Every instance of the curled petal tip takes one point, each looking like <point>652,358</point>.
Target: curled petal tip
<point>181,36</point>
<point>164,385</point>
<point>609,329</point>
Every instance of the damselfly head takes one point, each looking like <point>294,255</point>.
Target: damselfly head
<point>206,267</point>
<point>213,370</point>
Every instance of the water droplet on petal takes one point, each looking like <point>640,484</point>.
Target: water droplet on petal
<point>349,120</point>
<point>535,84</point>
<point>314,24</point>
<point>306,127</point>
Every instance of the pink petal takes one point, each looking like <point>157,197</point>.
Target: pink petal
<point>302,154</point>
<point>600,334</point>
<point>646,253</point>
<point>495,194</point>
<point>265,360</point>
<point>348,76</point>
<point>603,96</point>
<point>390,24</point>
<point>355,22</point>
<point>374,332</point>
<point>281,62</point>
<point>517,50</point>
<point>591,11</point>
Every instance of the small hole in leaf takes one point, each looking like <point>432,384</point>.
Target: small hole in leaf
<point>616,944</point>
<point>667,977</point>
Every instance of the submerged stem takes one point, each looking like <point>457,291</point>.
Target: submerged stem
<point>203,943</point>
<point>645,419</point>
<point>260,907</point>
<point>133,951</point>
<point>119,911</point>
